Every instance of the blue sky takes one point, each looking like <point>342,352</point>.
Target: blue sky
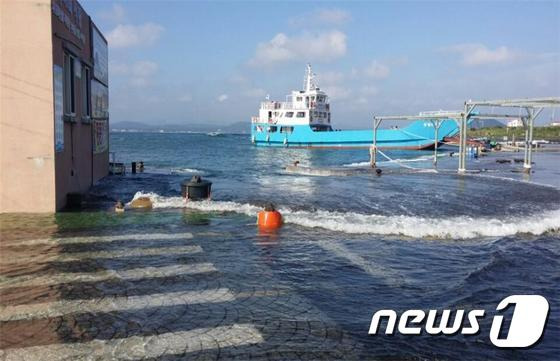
<point>213,62</point>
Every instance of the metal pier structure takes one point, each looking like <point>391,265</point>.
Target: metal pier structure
<point>475,110</point>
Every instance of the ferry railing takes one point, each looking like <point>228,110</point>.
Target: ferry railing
<point>283,106</point>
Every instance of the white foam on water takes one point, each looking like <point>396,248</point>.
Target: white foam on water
<point>359,164</point>
<point>398,160</point>
<point>140,347</point>
<point>459,227</point>
<point>420,227</point>
<point>187,171</point>
<point>207,206</point>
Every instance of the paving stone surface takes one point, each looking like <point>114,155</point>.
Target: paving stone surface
<point>159,296</point>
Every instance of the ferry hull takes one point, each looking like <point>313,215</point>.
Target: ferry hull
<point>416,136</point>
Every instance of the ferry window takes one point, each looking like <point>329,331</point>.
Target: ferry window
<point>289,114</point>
<point>272,129</point>
<point>86,105</point>
<point>321,128</point>
<point>299,99</point>
<point>300,114</point>
<point>69,85</point>
<point>288,130</point>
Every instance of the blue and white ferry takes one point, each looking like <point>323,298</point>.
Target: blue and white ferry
<point>304,120</point>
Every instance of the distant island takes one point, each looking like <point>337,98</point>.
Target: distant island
<point>132,126</point>
<point>233,128</point>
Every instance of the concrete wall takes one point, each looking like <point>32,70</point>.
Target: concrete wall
<point>27,159</point>
<point>74,162</point>
<point>34,36</point>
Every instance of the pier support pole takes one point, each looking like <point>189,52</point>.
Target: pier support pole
<point>528,161</point>
<point>462,144</point>
<point>463,138</point>
<point>372,156</point>
<point>525,121</point>
<point>436,124</point>
<point>373,148</point>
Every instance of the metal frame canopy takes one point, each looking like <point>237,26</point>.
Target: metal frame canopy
<point>435,118</point>
<point>532,106</point>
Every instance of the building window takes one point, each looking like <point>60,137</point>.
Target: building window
<point>86,93</point>
<point>300,114</point>
<point>69,86</point>
<point>288,130</point>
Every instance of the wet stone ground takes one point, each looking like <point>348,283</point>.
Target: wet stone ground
<point>148,295</point>
<point>180,284</point>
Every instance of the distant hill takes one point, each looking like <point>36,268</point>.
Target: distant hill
<point>132,126</point>
<point>237,128</point>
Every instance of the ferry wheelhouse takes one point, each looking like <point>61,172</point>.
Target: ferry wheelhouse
<point>304,120</point>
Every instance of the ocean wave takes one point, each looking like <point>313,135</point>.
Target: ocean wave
<point>398,160</point>
<point>186,171</point>
<point>460,227</point>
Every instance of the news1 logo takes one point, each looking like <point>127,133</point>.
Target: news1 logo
<point>525,329</point>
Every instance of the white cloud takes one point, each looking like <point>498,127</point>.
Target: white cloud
<point>238,79</point>
<point>185,98</point>
<point>318,17</point>
<point>362,100</point>
<point>333,16</point>
<point>376,70</point>
<point>138,73</point>
<point>222,98</point>
<point>124,36</point>
<point>118,68</point>
<point>305,47</point>
<point>254,93</point>
<point>369,90</point>
<point>116,14</point>
<point>138,82</point>
<point>330,77</point>
<point>336,92</point>
<point>479,54</point>
<point>142,68</point>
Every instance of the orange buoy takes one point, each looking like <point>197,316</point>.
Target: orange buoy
<point>269,218</point>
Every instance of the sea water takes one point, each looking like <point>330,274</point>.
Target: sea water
<point>411,238</point>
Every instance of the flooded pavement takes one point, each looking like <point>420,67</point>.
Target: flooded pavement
<point>152,295</point>
<point>166,285</point>
<point>198,281</point>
